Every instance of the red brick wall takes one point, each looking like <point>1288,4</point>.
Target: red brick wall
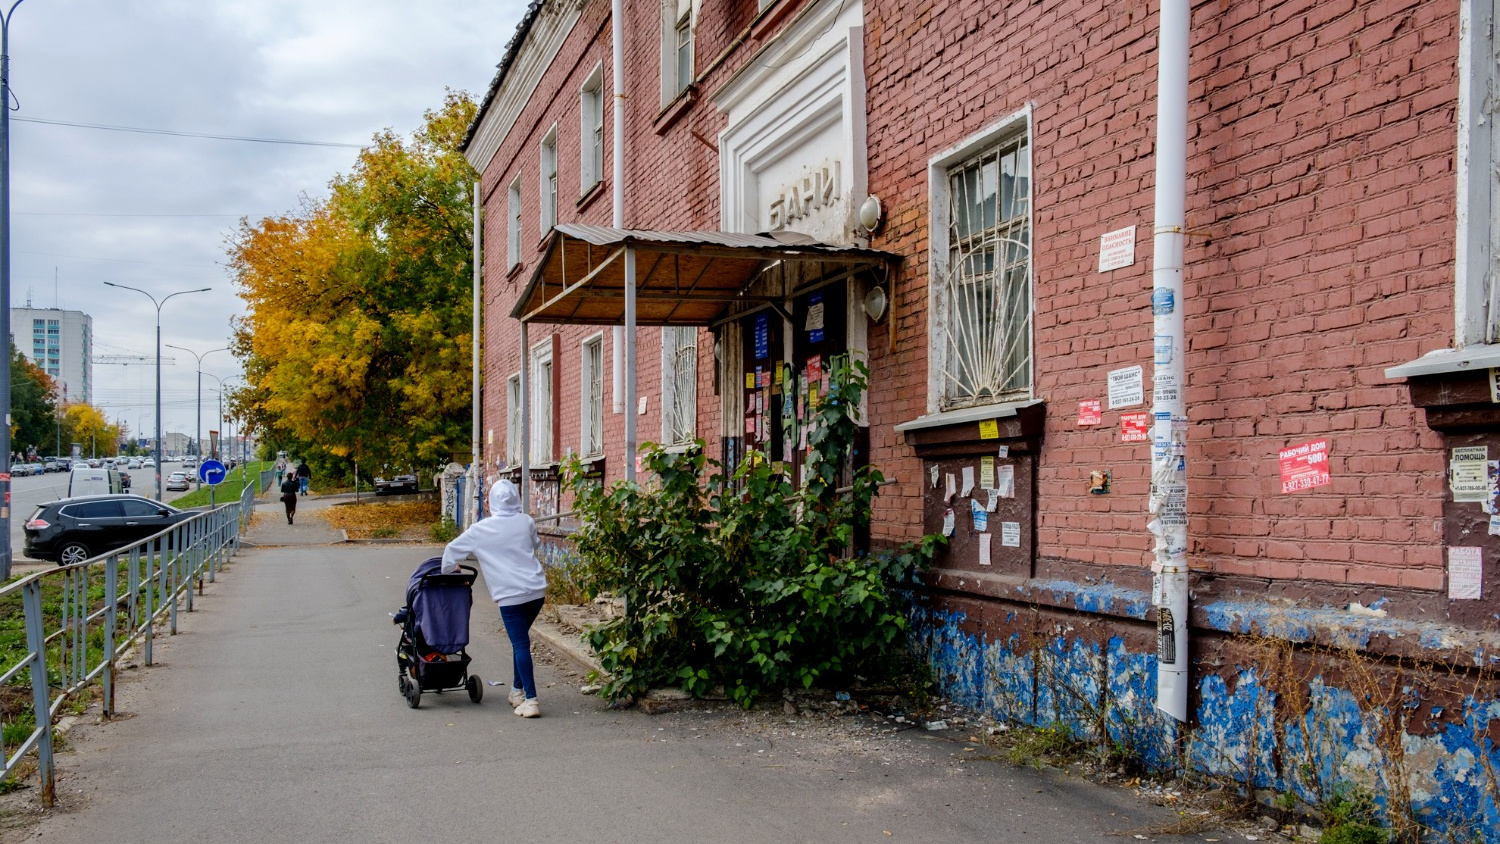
<point>1320,177</point>
<point>1320,174</point>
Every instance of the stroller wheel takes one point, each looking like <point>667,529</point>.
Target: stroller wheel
<point>475,687</point>
<point>413,694</point>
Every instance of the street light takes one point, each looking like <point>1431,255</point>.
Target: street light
<point>223,385</point>
<point>198,434</point>
<point>5,287</point>
<point>158,363</point>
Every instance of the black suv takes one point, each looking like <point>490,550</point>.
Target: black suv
<point>74,529</point>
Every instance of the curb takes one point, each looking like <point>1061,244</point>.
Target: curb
<point>568,644</point>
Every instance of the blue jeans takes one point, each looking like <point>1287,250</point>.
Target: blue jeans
<point>518,620</point>
<point>302,485</point>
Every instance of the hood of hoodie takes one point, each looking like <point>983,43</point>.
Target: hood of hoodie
<point>504,499</point>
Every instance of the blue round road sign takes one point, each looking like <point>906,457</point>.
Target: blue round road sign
<point>211,472</point>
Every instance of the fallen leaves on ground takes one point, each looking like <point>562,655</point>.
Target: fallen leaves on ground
<point>399,520</point>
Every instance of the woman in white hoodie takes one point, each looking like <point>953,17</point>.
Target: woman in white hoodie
<point>505,545</point>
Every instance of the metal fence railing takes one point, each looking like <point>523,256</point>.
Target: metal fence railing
<point>80,619</point>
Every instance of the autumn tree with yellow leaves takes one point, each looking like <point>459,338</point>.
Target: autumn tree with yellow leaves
<point>356,343</point>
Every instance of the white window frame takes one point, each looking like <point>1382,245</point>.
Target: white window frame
<point>1016,126</point>
<point>513,420</point>
<point>548,182</point>
<point>591,130</point>
<point>542,381</point>
<point>591,398</point>
<point>679,385</point>
<point>513,223</point>
<point>677,36</point>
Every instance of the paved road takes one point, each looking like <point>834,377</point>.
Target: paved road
<point>274,717</point>
<point>29,491</point>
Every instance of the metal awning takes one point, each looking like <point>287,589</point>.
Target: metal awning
<point>681,278</point>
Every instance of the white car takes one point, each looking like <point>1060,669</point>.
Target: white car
<point>133,464</point>
<point>148,463</point>
<point>178,481</point>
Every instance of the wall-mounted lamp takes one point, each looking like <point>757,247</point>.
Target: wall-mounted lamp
<point>870,214</point>
<point>875,303</point>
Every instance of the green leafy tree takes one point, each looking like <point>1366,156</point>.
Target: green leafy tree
<point>357,339</point>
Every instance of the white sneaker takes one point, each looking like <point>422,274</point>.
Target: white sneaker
<point>515,697</point>
<point>529,708</point>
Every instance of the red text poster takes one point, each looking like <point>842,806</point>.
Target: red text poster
<point>1135,427</point>
<point>1304,466</point>
<point>1090,412</point>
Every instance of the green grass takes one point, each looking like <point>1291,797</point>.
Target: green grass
<point>228,490</point>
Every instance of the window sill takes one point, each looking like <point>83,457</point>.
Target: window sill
<point>514,270</point>
<point>595,191</point>
<point>673,111</point>
<point>1441,361</point>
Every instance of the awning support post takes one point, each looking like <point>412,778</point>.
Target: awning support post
<point>630,365</point>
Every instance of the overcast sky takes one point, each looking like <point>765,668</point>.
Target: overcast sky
<point>155,211</point>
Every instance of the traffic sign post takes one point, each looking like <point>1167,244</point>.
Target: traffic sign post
<point>211,472</point>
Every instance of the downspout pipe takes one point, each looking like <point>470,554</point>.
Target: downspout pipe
<point>476,473</point>
<point>525,418</point>
<point>617,81</point>
<point>1168,502</point>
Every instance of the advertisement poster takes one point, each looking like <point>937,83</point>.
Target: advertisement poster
<point>1089,412</point>
<point>1304,466</point>
<point>1126,387</point>
<point>1135,427</point>
<point>1468,473</point>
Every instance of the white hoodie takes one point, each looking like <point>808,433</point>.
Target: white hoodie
<point>505,545</point>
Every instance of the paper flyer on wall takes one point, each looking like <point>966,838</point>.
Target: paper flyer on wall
<point>1465,573</point>
<point>993,502</point>
<point>987,472</point>
<point>1005,481</point>
<point>981,518</point>
<point>1468,473</point>
<point>968,474</point>
<point>984,548</point>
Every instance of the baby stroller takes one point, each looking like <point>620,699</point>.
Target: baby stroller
<point>434,632</point>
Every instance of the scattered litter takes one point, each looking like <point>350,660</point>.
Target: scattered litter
<point>494,682</point>
<point>937,725</point>
<point>591,688</point>
<point>840,695</point>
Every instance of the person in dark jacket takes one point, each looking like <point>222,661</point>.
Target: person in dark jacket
<point>289,496</point>
<point>304,475</point>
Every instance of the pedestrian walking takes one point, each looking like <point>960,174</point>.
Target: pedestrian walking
<point>280,471</point>
<point>304,475</point>
<point>505,545</point>
<point>289,496</point>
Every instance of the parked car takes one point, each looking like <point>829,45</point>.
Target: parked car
<point>72,530</point>
<point>400,484</point>
<point>178,481</point>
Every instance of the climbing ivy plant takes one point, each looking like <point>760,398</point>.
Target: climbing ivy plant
<point>743,581</point>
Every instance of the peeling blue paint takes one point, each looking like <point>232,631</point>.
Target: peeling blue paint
<point>1324,740</point>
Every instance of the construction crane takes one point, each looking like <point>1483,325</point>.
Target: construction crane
<point>129,359</point>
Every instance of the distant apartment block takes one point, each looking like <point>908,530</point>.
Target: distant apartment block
<point>61,343</point>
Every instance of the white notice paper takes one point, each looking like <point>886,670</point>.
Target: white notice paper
<point>1465,573</point>
<point>1468,473</point>
<point>933,471</point>
<point>968,472</point>
<point>984,548</point>
<point>1005,481</point>
<point>989,506</point>
<point>1003,452</point>
<point>948,521</point>
<point>1126,387</point>
<point>952,485</point>
<point>1010,534</point>
<point>1494,525</point>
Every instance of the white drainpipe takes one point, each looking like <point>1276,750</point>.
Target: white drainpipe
<point>617,70</point>
<point>476,471</point>
<point>1168,505</point>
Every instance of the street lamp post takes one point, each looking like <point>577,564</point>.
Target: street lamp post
<point>158,363</point>
<point>198,433</point>
<point>5,554</point>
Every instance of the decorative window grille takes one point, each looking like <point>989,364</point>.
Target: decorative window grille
<point>549,181</point>
<point>513,420</point>
<point>988,290</point>
<point>679,380</point>
<point>592,440</point>
<point>591,125</point>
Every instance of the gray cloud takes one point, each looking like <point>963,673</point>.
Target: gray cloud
<point>154,211</point>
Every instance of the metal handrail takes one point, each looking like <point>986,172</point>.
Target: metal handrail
<point>77,628</point>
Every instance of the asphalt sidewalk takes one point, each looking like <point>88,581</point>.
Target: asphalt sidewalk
<point>274,715</point>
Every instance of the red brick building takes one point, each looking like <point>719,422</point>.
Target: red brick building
<point>1339,229</point>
